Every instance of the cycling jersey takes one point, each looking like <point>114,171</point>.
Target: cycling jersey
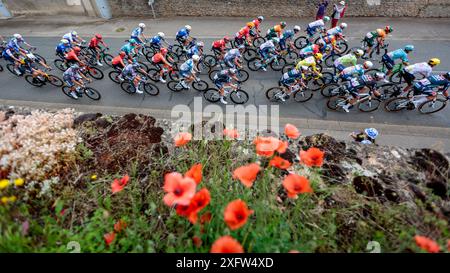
<point>62,48</point>
<point>14,43</point>
<point>223,76</point>
<point>94,42</point>
<point>428,84</point>
<point>182,33</point>
<point>158,58</point>
<point>69,37</point>
<point>137,32</point>
<point>219,44</point>
<point>423,68</point>
<point>371,36</point>
<point>233,53</point>
<point>267,45</point>
<point>8,53</point>
<point>352,71</point>
<point>128,71</point>
<point>71,73</point>
<point>256,22</point>
<point>195,50</point>
<point>118,60</point>
<point>314,26</point>
<point>275,31</point>
<point>187,66</point>
<point>291,76</point>
<point>398,54</point>
<point>359,82</point>
<point>306,63</point>
<point>243,32</point>
<point>309,50</point>
<point>330,40</point>
<point>345,61</point>
<point>71,56</point>
<point>288,34</point>
<point>334,31</point>
<point>128,49</point>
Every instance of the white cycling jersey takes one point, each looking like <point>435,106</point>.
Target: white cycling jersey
<point>318,23</point>
<point>69,37</point>
<point>268,44</point>
<point>423,68</point>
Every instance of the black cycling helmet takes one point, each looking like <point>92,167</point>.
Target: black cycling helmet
<point>447,75</point>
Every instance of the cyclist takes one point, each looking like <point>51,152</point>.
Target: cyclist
<point>71,57</point>
<point>72,77</point>
<point>440,83</point>
<point>129,73</point>
<point>159,59</point>
<point>275,31</point>
<point>256,22</point>
<point>183,37</point>
<point>389,58</point>
<point>219,47</point>
<point>286,38</point>
<point>130,48</point>
<point>424,69</point>
<point>62,48</point>
<point>311,50</point>
<point>368,136</point>
<point>224,78</point>
<point>337,29</point>
<point>17,40</point>
<point>243,35</point>
<point>310,63</point>
<point>331,40</point>
<point>197,49</point>
<point>11,54</point>
<point>358,84</point>
<point>29,64</point>
<point>378,35</point>
<point>316,26</point>
<point>95,48</point>
<point>347,60</point>
<point>355,71</point>
<point>188,70</point>
<point>73,38</point>
<point>118,61</point>
<point>157,40</point>
<point>233,56</point>
<point>267,50</point>
<point>289,79</point>
<point>138,34</point>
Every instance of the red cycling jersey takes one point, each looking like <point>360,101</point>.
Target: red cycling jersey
<point>219,44</point>
<point>243,32</point>
<point>158,58</point>
<point>94,42</point>
<point>118,60</point>
<point>256,22</point>
<point>72,56</point>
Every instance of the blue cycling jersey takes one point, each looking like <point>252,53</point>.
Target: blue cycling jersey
<point>287,35</point>
<point>398,54</point>
<point>13,44</point>
<point>156,40</point>
<point>187,65</point>
<point>432,82</point>
<point>292,74</point>
<point>137,32</point>
<point>193,51</point>
<point>62,48</point>
<point>182,33</point>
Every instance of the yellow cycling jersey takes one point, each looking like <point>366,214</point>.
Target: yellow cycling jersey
<point>307,63</point>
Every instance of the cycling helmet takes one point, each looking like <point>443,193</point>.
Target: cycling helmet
<point>409,48</point>
<point>142,25</point>
<point>250,24</point>
<point>388,29</point>
<point>200,44</point>
<point>74,33</point>
<point>164,50</point>
<point>188,27</point>
<point>31,56</point>
<point>342,3</point>
<point>76,49</point>
<point>296,29</point>
<point>75,66</point>
<point>343,25</point>
<point>358,52</point>
<point>371,132</point>
<point>122,54</point>
<point>368,64</point>
<point>195,58</point>
<point>380,76</point>
<point>232,70</point>
<point>283,24</point>
<point>447,75</point>
<point>318,56</point>
<point>98,36</point>
<point>132,41</point>
<point>64,41</point>
<point>17,36</point>
<point>276,40</point>
<point>260,18</point>
<point>326,19</point>
<point>226,39</point>
<point>434,61</point>
<point>161,34</point>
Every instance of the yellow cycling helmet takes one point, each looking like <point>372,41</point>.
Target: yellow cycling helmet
<point>250,24</point>
<point>318,56</point>
<point>434,61</point>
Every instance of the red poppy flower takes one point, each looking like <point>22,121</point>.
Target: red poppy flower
<point>279,163</point>
<point>291,131</point>
<point>200,200</point>
<point>118,185</point>
<point>230,133</point>
<point>247,174</point>
<point>313,157</point>
<point>282,147</point>
<point>195,173</point>
<point>182,139</point>
<point>180,190</point>
<point>266,146</point>
<point>295,184</point>
<point>236,214</point>
<point>206,217</point>
<point>197,241</point>
<point>109,237</point>
<point>226,244</point>
<point>427,244</point>
<point>120,225</point>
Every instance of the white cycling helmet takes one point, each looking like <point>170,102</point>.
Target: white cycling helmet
<point>161,34</point>
<point>200,44</point>
<point>358,52</point>
<point>31,56</point>
<point>233,70</point>
<point>188,27</point>
<point>326,19</point>
<point>64,41</point>
<point>297,28</point>
<point>276,40</point>
<point>371,132</point>
<point>195,58</point>
<point>74,33</point>
<point>141,25</point>
<point>260,18</point>
<point>380,76</point>
<point>343,25</point>
<point>368,64</point>
<point>17,36</point>
<point>342,3</point>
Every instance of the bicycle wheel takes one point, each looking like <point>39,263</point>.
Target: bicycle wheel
<point>273,93</point>
<point>369,105</point>
<point>149,56</point>
<point>174,75</point>
<point>203,68</point>
<point>327,77</point>
<point>342,45</point>
<point>389,90</point>
<point>60,64</point>
<point>396,104</point>
<point>154,74</point>
<point>315,84</point>
<point>258,41</point>
<point>254,64</point>
<point>278,64</point>
<point>66,91</point>
<point>242,75</point>
<point>329,60</point>
<point>95,73</point>
<point>239,96</point>
<point>107,59</point>
<point>396,78</point>
<point>128,87</point>
<point>303,95</point>
<point>287,67</point>
<point>212,73</point>
<point>10,68</point>
<point>143,66</point>
<point>212,95</point>
<point>336,103</point>
<point>55,81</point>
<point>92,93</point>
<point>175,86</point>
<point>39,58</point>
<point>431,106</point>
<point>114,76</point>
<point>177,49</point>
<point>330,90</point>
<point>151,89</point>
<point>200,85</point>
<point>291,57</point>
<point>33,81</point>
<point>210,61</point>
<point>249,54</point>
<point>301,42</point>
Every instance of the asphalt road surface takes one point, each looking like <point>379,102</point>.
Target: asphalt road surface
<point>14,88</point>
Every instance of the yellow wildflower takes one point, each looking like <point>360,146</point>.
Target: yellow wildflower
<point>19,182</point>
<point>4,184</point>
<point>4,200</point>
<point>94,177</point>
<point>12,199</point>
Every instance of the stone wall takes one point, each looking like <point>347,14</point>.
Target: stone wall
<point>279,8</point>
<point>45,7</point>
